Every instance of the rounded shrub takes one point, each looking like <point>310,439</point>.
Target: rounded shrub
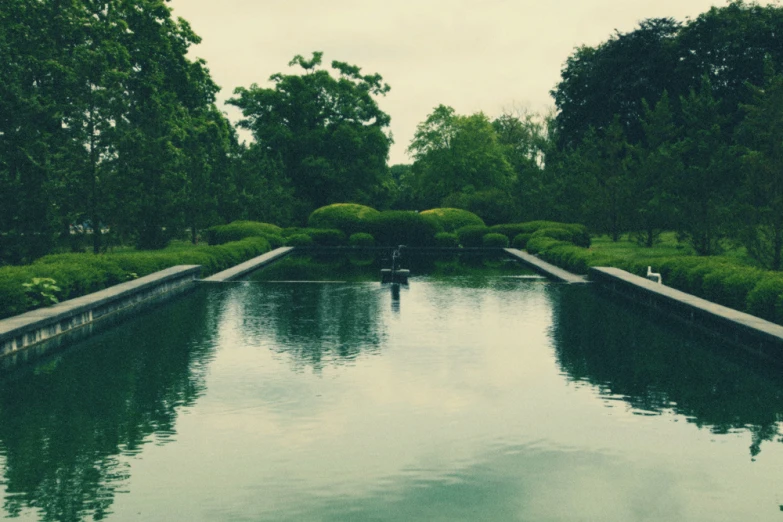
<point>402,227</point>
<point>348,217</point>
<point>326,237</point>
<point>299,240</point>
<point>472,236</point>
<point>451,219</point>
<point>238,230</point>
<point>520,241</point>
<point>361,239</point>
<point>447,239</point>
<point>542,243</point>
<point>731,285</point>
<point>559,233</point>
<point>494,240</point>
<point>762,300</point>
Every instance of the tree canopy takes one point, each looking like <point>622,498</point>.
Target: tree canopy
<point>327,131</point>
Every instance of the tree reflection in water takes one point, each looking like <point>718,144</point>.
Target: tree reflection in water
<point>65,422</point>
<point>640,357</point>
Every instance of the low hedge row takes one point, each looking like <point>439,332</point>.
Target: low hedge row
<point>238,230</point>
<point>752,290</point>
<point>80,274</point>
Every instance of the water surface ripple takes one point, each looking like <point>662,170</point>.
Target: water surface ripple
<point>465,398</point>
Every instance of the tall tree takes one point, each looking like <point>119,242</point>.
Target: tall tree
<point>705,188</point>
<point>761,195</point>
<point>456,154</point>
<point>328,132</point>
<point>655,167</point>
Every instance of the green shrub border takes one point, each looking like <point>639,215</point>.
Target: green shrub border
<point>80,274</point>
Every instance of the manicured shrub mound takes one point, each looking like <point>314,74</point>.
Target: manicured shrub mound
<point>79,274</point>
<point>520,240</point>
<point>402,227</point>
<point>361,239</point>
<point>348,217</point>
<point>238,230</point>
<point>447,240</point>
<point>472,236</point>
<point>299,240</point>
<point>493,240</point>
<point>451,219</point>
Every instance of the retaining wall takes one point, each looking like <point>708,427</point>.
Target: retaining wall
<point>44,324</point>
<point>752,333</point>
<point>245,268</point>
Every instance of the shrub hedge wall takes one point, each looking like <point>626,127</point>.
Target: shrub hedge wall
<point>402,227</point>
<point>237,230</point>
<point>451,219</point>
<point>348,217</point>
<point>80,274</point>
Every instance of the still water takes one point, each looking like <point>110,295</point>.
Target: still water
<point>496,397</point>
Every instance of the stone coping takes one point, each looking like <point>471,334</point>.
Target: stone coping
<point>694,309</point>
<point>109,298</point>
<point>548,269</point>
<point>245,268</point>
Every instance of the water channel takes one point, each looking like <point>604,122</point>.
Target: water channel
<point>480,392</point>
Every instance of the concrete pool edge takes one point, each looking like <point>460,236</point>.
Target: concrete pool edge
<point>547,269</point>
<point>31,328</point>
<point>752,333</point>
<point>251,265</point>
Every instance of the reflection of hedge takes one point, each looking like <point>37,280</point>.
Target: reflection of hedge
<point>348,217</point>
<point>80,274</point>
<point>401,227</point>
<point>451,219</point>
<point>237,230</point>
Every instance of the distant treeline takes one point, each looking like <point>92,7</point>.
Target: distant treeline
<point>110,134</point>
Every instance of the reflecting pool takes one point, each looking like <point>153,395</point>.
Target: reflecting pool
<point>469,397</point>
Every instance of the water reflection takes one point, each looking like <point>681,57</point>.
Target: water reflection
<point>315,323</point>
<point>64,423</point>
<point>655,366</point>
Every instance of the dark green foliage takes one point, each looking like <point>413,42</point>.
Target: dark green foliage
<point>520,240</point>
<point>511,230</point>
<point>401,227</point>
<point>494,240</point>
<point>451,219</point>
<point>326,237</point>
<point>472,236</point>
<point>766,298</point>
<point>493,205</point>
<point>348,217</point>
<point>537,245</point>
<point>560,234</point>
<point>361,239</point>
<point>237,230</point>
<point>328,131</point>
<point>80,274</point>
<point>731,285</point>
<point>299,240</point>
<point>447,239</point>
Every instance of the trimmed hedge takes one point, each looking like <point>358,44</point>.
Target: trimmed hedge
<point>238,230</point>
<point>452,219</point>
<point>361,239</point>
<point>402,227</point>
<point>80,274</point>
<point>299,240</point>
<point>447,240</point>
<point>472,236</point>
<point>494,240</point>
<point>348,217</point>
<point>520,240</point>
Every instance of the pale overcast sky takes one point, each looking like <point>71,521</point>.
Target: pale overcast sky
<point>472,55</point>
